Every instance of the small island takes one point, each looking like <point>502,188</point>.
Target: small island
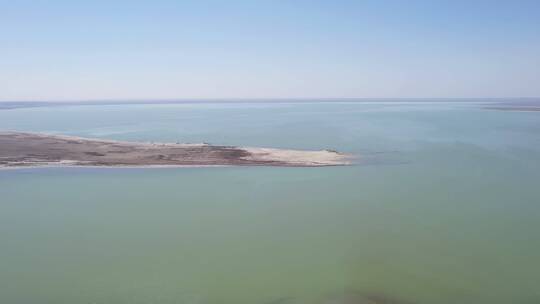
<point>23,149</point>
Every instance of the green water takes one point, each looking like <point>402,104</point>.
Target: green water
<point>443,207</point>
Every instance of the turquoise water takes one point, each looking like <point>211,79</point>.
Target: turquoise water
<point>443,207</point>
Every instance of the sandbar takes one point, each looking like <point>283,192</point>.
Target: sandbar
<point>24,149</point>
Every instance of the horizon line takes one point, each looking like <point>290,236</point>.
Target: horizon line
<point>256,99</point>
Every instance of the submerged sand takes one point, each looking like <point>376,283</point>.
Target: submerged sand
<point>22,149</point>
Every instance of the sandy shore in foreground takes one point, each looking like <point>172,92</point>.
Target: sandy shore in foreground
<point>22,149</point>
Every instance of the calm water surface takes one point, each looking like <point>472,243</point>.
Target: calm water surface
<point>443,207</point>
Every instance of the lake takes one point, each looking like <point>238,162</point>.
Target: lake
<point>442,206</point>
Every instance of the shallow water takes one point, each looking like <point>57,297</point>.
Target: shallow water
<point>443,207</point>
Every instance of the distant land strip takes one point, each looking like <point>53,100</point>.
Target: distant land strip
<point>515,109</point>
<point>10,105</point>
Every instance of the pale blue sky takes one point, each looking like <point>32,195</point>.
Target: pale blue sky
<point>80,50</point>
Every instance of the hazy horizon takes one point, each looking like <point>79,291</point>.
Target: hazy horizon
<point>486,102</point>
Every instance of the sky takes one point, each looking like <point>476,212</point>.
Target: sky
<point>122,50</point>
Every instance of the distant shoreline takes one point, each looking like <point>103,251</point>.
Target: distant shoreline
<point>515,109</point>
<point>24,150</point>
<point>10,105</point>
